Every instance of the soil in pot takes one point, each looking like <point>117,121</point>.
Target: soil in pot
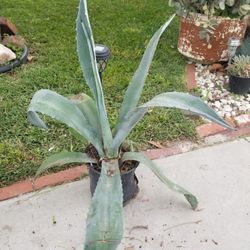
<point>239,85</point>
<point>128,177</point>
<point>200,50</point>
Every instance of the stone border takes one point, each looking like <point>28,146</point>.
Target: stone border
<point>31,185</point>
<point>209,133</point>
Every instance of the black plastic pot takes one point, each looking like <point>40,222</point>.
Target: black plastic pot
<point>239,85</point>
<point>15,63</point>
<point>129,182</point>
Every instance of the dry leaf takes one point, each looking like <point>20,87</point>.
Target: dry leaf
<point>156,144</point>
<point>129,248</point>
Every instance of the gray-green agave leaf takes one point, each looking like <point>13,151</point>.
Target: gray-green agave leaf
<point>136,156</point>
<point>50,103</point>
<point>136,85</point>
<point>87,57</point>
<point>63,158</point>
<point>178,100</point>
<point>105,218</point>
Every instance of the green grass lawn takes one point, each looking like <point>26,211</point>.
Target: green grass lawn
<point>49,29</point>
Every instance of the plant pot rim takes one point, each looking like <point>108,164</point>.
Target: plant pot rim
<point>16,62</point>
<point>239,76</point>
<point>193,15</point>
<point>136,164</point>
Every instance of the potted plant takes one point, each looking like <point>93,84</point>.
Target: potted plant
<point>89,119</point>
<point>239,74</point>
<point>206,27</point>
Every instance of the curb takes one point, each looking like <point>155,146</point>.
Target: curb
<point>32,185</point>
<point>209,133</point>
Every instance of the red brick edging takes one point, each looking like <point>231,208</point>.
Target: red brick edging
<point>30,185</point>
<point>206,131</point>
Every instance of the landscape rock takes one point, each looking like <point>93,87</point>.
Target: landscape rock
<point>214,91</point>
<point>6,54</point>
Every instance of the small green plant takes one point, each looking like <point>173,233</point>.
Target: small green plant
<point>240,66</point>
<point>89,119</point>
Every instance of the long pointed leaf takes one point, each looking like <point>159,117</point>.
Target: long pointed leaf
<point>87,57</point>
<point>135,88</point>
<point>60,108</point>
<point>63,158</point>
<point>88,107</point>
<point>105,221</point>
<point>85,49</point>
<point>125,127</point>
<point>174,187</point>
<point>186,102</point>
<point>178,100</point>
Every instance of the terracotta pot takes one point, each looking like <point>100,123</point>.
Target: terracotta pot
<point>193,47</point>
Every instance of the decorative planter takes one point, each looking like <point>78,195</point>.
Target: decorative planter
<point>129,182</point>
<point>199,50</point>
<point>239,85</point>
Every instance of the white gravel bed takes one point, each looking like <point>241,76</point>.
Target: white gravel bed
<point>213,88</point>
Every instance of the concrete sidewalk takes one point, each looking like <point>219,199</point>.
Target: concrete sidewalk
<point>54,219</point>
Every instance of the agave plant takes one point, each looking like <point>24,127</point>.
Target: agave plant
<point>89,120</point>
